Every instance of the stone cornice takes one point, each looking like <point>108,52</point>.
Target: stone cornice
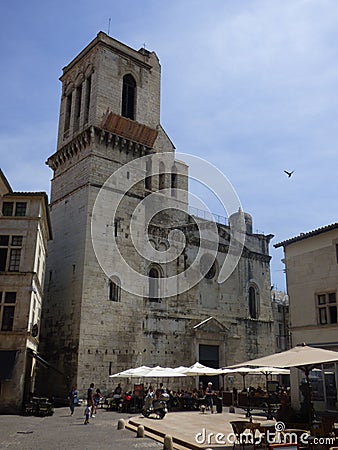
<point>89,137</point>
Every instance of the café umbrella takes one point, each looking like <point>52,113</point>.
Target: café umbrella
<point>163,372</point>
<point>132,373</point>
<point>149,372</point>
<point>268,370</point>
<point>244,371</point>
<point>199,369</point>
<point>301,356</point>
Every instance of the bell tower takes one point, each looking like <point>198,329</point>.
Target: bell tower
<point>109,116</point>
<point>109,76</point>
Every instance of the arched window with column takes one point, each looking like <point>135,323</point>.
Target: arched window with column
<point>154,284</point>
<point>253,302</point>
<point>128,97</point>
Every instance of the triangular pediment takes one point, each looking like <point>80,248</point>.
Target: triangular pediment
<point>211,325</point>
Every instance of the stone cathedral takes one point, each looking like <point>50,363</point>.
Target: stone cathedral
<point>97,318</point>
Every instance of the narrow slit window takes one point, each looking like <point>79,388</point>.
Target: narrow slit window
<point>174,181</point>
<point>114,291</point>
<point>78,100</point>
<point>161,177</point>
<point>68,111</point>
<point>148,179</point>
<point>253,303</point>
<point>154,285</point>
<point>87,100</point>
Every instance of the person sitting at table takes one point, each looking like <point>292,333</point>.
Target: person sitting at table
<point>187,396</point>
<point>118,391</point>
<point>251,391</point>
<point>160,391</point>
<point>259,392</point>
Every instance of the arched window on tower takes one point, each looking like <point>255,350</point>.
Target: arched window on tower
<point>253,302</point>
<point>154,285</point>
<point>161,176</point>
<point>128,97</point>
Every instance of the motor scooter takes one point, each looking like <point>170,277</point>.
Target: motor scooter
<point>155,406</point>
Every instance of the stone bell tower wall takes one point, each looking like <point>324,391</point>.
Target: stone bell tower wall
<point>92,85</point>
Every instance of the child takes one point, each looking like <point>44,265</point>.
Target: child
<point>87,413</point>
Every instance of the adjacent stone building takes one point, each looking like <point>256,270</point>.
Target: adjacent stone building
<point>311,263</point>
<point>98,319</point>
<point>24,232</point>
<point>280,312</point>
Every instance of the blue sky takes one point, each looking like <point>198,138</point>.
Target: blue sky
<point>250,85</point>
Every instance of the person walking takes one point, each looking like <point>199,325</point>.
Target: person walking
<point>209,394</point>
<point>97,398</point>
<point>73,397</point>
<point>90,399</point>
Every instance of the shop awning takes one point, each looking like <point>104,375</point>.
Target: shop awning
<point>41,360</point>
<point>7,362</point>
<point>44,362</point>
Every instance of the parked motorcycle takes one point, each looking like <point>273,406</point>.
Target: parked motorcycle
<point>158,406</point>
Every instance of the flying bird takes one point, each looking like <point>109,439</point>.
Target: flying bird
<point>288,173</point>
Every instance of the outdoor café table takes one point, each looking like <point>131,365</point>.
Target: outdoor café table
<point>268,434</point>
<point>296,436</point>
<point>335,429</point>
<point>239,427</point>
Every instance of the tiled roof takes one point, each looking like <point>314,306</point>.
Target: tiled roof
<point>129,129</point>
<point>302,236</point>
<point>30,194</point>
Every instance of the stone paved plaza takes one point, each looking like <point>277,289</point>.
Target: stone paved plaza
<point>62,431</point>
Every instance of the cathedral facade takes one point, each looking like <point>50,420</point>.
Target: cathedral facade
<point>118,189</point>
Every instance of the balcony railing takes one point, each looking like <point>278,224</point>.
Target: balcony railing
<point>207,215</point>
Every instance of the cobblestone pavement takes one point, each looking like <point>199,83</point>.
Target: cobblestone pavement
<point>62,431</point>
